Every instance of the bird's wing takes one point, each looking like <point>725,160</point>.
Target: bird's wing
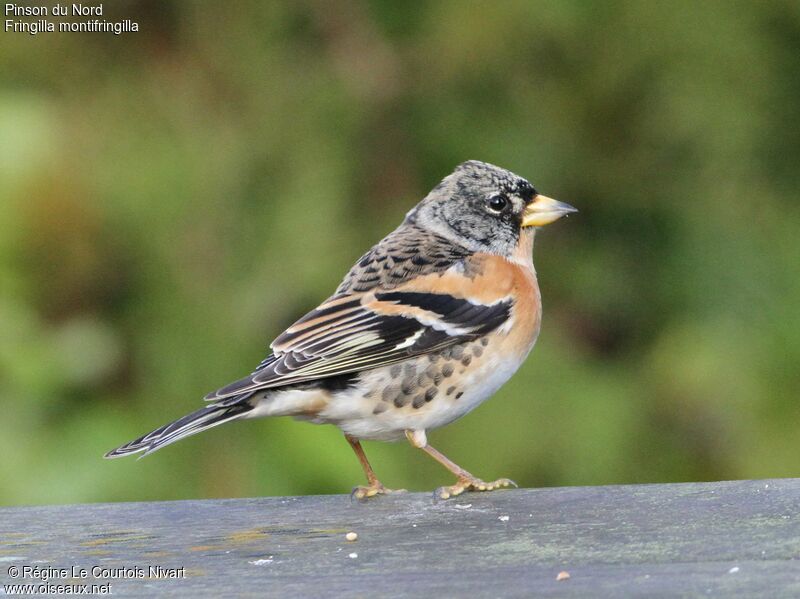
<point>357,331</point>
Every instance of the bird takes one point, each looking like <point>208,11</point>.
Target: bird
<point>426,326</point>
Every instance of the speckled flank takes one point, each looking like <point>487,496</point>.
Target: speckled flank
<point>415,383</point>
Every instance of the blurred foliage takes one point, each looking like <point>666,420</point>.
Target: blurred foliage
<point>171,199</point>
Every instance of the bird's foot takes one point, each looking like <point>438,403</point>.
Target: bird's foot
<point>376,488</point>
<point>472,484</point>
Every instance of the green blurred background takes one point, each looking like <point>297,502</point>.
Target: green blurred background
<point>173,198</point>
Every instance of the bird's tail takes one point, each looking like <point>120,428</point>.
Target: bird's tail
<point>198,421</point>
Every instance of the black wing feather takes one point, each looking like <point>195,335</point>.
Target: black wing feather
<point>343,336</point>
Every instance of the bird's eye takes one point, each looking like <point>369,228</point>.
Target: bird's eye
<point>497,203</point>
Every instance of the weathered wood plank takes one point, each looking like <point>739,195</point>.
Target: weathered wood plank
<point>724,539</point>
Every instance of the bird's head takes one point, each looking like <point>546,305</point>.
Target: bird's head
<point>485,208</point>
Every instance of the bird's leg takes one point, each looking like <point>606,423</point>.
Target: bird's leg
<point>465,481</point>
<point>374,486</point>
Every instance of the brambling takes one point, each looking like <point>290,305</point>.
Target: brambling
<point>426,326</point>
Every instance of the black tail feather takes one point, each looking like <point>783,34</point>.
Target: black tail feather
<point>198,421</point>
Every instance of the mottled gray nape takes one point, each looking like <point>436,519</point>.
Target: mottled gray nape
<point>451,223</point>
<point>456,207</point>
<point>406,252</point>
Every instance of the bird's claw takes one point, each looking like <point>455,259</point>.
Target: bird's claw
<point>362,493</point>
<point>472,484</point>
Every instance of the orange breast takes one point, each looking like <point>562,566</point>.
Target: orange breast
<point>527,311</point>
<point>488,278</point>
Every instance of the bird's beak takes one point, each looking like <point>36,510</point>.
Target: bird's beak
<point>543,211</point>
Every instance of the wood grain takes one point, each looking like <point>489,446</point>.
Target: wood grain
<point>722,539</point>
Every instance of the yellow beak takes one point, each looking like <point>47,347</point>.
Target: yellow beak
<point>543,211</point>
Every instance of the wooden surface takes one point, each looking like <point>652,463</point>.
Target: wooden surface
<point>715,539</point>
